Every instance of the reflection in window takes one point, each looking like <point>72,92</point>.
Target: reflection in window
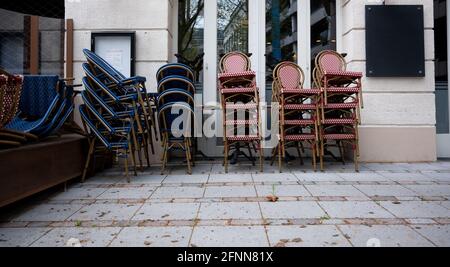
<point>441,64</point>
<point>323,26</point>
<point>281,33</point>
<point>232,26</point>
<point>191,26</point>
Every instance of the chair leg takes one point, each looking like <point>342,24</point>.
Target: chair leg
<point>126,168</point>
<point>280,156</point>
<point>88,160</point>
<point>133,158</point>
<point>322,154</point>
<point>227,149</point>
<point>261,157</point>
<point>314,159</point>
<point>274,155</point>
<point>299,151</point>
<point>188,157</point>
<point>164,158</point>
<point>341,151</point>
<point>250,154</point>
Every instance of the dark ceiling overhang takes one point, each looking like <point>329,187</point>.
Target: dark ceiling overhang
<point>47,8</point>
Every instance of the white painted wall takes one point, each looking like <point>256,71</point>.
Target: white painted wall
<point>404,106</point>
<point>151,19</point>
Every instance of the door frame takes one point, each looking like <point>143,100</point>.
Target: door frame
<point>443,140</point>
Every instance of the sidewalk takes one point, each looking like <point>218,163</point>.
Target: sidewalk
<point>385,204</point>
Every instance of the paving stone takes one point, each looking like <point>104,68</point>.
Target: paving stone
<point>334,190</point>
<point>232,236</point>
<point>127,193</point>
<point>443,177</point>
<point>229,210</point>
<point>79,193</point>
<point>416,209</point>
<point>445,204</point>
<point>105,212</point>
<point>393,167</point>
<point>409,177</point>
<point>167,211</point>
<point>145,179</point>
<point>102,180</point>
<point>306,236</point>
<point>430,190</point>
<point>230,191</point>
<point>291,210</point>
<point>354,209</point>
<point>362,176</point>
<point>230,178</point>
<point>153,237</point>
<point>88,237</point>
<point>20,237</point>
<point>438,234</point>
<point>385,190</point>
<point>384,236</point>
<point>184,179</point>
<point>48,212</point>
<point>320,177</point>
<point>282,190</point>
<point>234,169</point>
<point>275,177</point>
<point>179,192</point>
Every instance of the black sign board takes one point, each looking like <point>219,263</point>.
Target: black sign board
<point>395,44</point>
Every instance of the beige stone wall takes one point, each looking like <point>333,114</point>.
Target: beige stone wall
<point>399,114</point>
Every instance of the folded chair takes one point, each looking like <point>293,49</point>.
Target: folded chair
<point>104,137</point>
<point>116,111</point>
<point>122,85</point>
<point>298,111</point>
<point>176,137</point>
<point>114,97</point>
<point>240,96</point>
<point>42,100</point>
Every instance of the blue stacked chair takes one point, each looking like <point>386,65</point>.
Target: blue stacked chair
<point>125,89</point>
<point>175,106</point>
<point>117,112</point>
<point>45,105</point>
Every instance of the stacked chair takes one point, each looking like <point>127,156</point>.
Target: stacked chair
<point>340,105</point>
<point>46,103</point>
<point>240,96</point>
<point>117,113</point>
<point>175,106</point>
<point>10,91</point>
<point>298,112</point>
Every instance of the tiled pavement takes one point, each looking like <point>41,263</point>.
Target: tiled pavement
<point>384,205</point>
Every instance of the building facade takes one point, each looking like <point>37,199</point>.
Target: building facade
<point>399,117</point>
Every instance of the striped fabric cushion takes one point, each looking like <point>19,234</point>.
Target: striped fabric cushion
<point>244,74</point>
<point>238,90</point>
<point>339,136</point>
<point>300,91</point>
<point>338,121</point>
<point>343,90</point>
<point>300,137</point>
<point>299,122</point>
<point>341,105</point>
<point>300,107</point>
<point>241,106</point>
<point>351,74</point>
<point>238,138</point>
<point>241,122</point>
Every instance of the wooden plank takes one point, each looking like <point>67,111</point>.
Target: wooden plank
<point>34,45</point>
<point>69,49</point>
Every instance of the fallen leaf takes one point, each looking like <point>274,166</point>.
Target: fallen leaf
<point>297,240</point>
<point>272,198</point>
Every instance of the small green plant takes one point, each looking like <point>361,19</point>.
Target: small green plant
<point>325,218</point>
<point>78,224</point>
<point>273,197</point>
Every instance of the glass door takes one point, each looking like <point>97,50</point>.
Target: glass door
<point>441,23</point>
